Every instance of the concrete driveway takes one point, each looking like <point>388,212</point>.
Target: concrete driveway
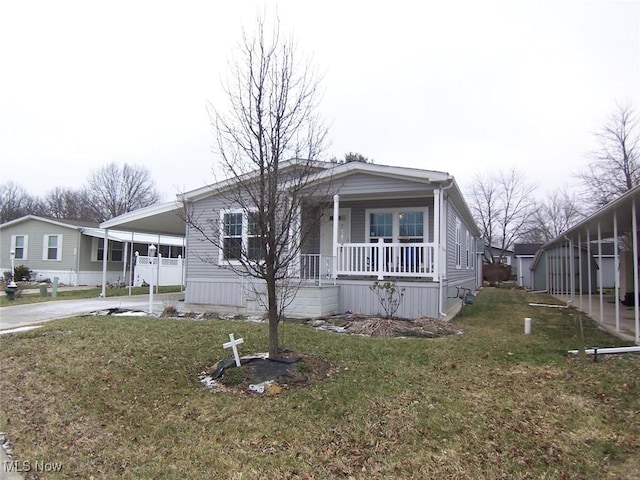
<point>22,315</point>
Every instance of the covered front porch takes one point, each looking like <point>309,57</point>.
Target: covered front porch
<point>376,238</point>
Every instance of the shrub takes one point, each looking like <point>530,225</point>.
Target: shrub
<point>389,296</point>
<point>22,273</point>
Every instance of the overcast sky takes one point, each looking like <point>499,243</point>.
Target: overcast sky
<point>461,87</point>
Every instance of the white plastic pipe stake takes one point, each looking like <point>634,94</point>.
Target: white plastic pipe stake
<point>527,326</point>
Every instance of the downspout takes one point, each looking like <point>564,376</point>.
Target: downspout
<point>441,245</point>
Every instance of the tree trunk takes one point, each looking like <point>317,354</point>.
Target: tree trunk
<point>272,302</point>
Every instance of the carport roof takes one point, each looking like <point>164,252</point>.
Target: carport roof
<point>621,208</point>
<point>160,219</point>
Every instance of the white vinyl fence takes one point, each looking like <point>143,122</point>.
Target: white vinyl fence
<point>166,271</point>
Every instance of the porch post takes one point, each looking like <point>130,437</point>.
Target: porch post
<point>159,260</point>
<point>130,282</point>
<point>336,224</point>
<point>294,235</point>
<point>616,269</point>
<point>105,250</point>
<point>436,236</point>
<point>634,222</point>
<point>124,261</point>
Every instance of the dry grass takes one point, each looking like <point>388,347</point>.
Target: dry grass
<point>119,398</point>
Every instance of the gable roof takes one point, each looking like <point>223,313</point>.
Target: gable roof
<point>526,249</point>
<point>165,219</point>
<point>217,187</point>
<point>61,222</point>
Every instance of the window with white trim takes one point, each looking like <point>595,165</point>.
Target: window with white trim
<point>240,237</point>
<point>458,244</point>
<point>402,225</point>
<point>254,244</point>
<point>52,247</point>
<point>381,227</point>
<point>467,249</point>
<point>19,244</point>
<point>411,227</point>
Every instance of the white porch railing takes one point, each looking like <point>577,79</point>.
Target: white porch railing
<point>316,267</point>
<point>386,259</point>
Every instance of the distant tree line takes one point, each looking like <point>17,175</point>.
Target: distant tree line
<point>109,191</point>
<point>507,212</point>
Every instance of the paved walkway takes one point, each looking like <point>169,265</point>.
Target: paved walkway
<point>32,313</point>
<point>626,327</point>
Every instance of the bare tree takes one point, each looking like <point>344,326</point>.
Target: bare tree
<point>554,215</point>
<point>269,137</point>
<point>16,202</point>
<point>118,189</point>
<point>615,166</point>
<point>502,204</point>
<point>71,204</point>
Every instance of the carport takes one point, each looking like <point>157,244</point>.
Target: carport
<point>568,274</point>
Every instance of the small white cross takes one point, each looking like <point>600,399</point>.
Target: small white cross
<point>233,344</point>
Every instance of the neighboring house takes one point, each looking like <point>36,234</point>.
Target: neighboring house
<point>524,254</point>
<point>404,224</point>
<point>497,256</point>
<point>72,250</point>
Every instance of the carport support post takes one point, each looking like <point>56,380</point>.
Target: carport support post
<point>616,268</point>
<point>600,292</point>
<point>589,260</point>
<point>634,223</point>
<point>105,249</point>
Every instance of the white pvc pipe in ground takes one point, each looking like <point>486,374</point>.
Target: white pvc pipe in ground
<point>592,351</point>
<point>527,326</point>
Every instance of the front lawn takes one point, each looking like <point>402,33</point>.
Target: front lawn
<point>118,397</point>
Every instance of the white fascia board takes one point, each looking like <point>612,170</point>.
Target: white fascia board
<point>121,236</point>
<point>141,213</point>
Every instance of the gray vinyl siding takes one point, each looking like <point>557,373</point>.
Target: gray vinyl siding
<point>86,262</point>
<point>375,185</point>
<point>36,230</point>
<point>420,299</point>
<point>456,277</point>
